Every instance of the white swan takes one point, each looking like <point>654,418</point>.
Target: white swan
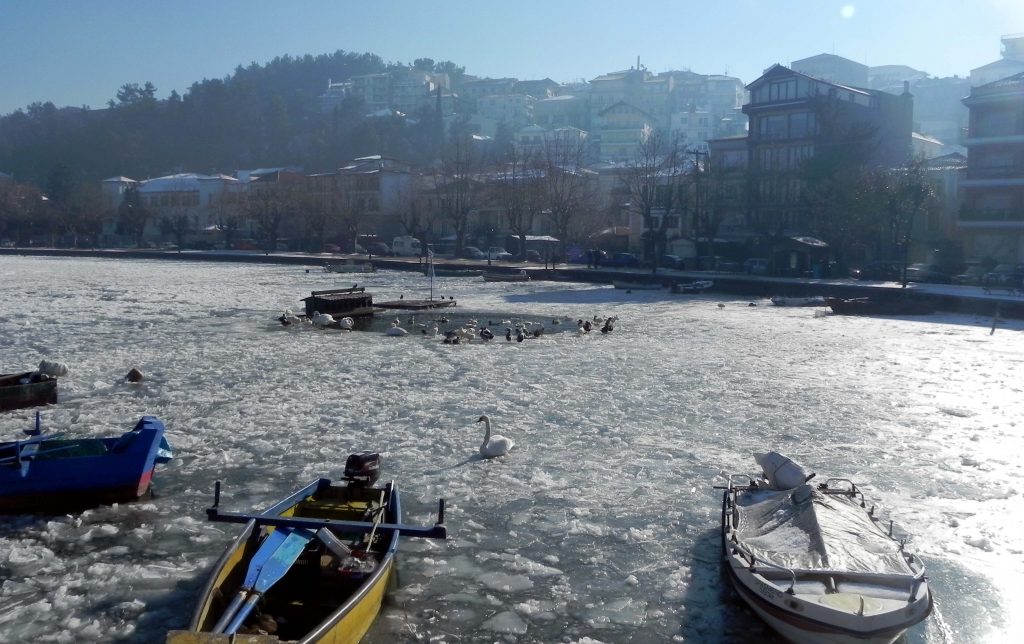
<point>322,319</point>
<point>346,323</point>
<point>493,445</point>
<point>396,330</point>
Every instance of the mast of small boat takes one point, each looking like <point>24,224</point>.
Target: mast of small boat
<point>430,271</point>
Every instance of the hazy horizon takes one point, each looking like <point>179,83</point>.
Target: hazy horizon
<point>80,54</point>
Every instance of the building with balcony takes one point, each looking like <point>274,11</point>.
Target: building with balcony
<point>619,129</point>
<point>794,117</point>
<point>992,217</point>
<point>1011,62</point>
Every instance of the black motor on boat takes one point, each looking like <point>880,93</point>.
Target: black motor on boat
<point>363,468</point>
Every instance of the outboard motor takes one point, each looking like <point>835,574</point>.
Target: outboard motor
<point>362,468</point>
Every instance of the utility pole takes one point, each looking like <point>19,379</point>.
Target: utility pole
<point>697,219</point>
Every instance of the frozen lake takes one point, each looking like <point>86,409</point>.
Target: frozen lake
<point>600,526</point>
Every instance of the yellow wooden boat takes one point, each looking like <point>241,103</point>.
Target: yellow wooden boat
<point>313,567</point>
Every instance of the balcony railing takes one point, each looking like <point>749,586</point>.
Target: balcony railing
<point>1013,215</point>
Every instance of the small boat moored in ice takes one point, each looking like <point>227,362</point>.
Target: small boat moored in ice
<point>48,473</point>
<point>31,388</point>
<point>690,288</point>
<point>313,567</point>
<point>813,563</point>
<point>521,276</point>
<point>815,300</point>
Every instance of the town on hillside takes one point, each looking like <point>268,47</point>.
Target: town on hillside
<point>875,164</point>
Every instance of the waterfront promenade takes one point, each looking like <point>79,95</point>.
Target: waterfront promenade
<point>951,298</point>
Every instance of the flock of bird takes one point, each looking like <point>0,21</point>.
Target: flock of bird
<point>516,329</point>
<point>318,320</point>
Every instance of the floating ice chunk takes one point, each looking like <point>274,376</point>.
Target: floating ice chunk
<point>506,622</point>
<point>632,580</point>
<point>980,542</point>
<point>504,582</point>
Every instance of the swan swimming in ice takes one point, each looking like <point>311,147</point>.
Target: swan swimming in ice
<point>346,323</point>
<point>493,445</point>
<point>322,319</point>
<point>396,330</point>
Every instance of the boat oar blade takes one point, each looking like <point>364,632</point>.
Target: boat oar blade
<point>267,548</point>
<point>273,569</point>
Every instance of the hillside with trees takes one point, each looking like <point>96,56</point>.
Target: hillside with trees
<point>257,116</point>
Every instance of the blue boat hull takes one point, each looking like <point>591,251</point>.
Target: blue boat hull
<point>51,475</point>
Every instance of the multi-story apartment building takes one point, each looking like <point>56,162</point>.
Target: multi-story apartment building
<point>619,128</point>
<point>515,110</point>
<point>792,115</point>
<point>405,90</point>
<point>539,89</point>
<point>1011,62</point>
<point>992,217</point>
<point>471,91</point>
<point>565,110</point>
<point>834,69</point>
<point>637,87</point>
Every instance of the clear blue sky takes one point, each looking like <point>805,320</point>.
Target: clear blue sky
<point>79,52</point>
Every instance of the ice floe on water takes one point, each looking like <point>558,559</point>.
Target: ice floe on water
<point>599,526</point>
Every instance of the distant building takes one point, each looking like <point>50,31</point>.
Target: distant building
<point>539,89</point>
<point>619,129</point>
<point>992,217</point>
<point>1011,62</point>
<point>834,69</point>
<point>693,126</point>
<point>925,147</point>
<point>791,114</point>
<point>470,92</point>
<point>405,90</point>
<point>566,110</point>
<point>890,78</point>
<point>515,110</point>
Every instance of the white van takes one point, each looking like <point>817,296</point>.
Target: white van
<point>406,246</point>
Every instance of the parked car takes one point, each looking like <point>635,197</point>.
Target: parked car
<point>756,266</point>
<point>884,270</point>
<point>624,260</point>
<point>379,248</point>
<point>498,253</point>
<point>472,252</point>
<point>332,248</point>
<point>928,273</point>
<point>670,261</point>
<point>533,256</point>
<point>973,275</point>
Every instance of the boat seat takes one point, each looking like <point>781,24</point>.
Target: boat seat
<point>807,587</point>
<point>880,591</point>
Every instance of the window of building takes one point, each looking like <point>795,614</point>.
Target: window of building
<point>783,90</point>
<point>773,127</point>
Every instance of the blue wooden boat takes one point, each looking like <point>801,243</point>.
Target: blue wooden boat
<point>313,567</point>
<point>48,473</point>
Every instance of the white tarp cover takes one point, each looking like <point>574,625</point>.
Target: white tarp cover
<point>827,532</point>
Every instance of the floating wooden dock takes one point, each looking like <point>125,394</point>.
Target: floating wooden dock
<point>417,305</point>
<point>341,302</point>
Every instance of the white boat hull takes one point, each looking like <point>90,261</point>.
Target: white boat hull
<point>852,601</point>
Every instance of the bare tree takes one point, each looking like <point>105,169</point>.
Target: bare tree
<point>415,214</point>
<point>658,188</point>
<point>457,186</point>
<point>567,186</point>
<point>516,190</point>
<point>133,215</point>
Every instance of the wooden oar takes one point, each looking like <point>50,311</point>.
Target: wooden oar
<point>276,567</point>
<point>268,565</point>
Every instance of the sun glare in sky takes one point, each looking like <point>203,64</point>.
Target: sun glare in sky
<point>847,11</point>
